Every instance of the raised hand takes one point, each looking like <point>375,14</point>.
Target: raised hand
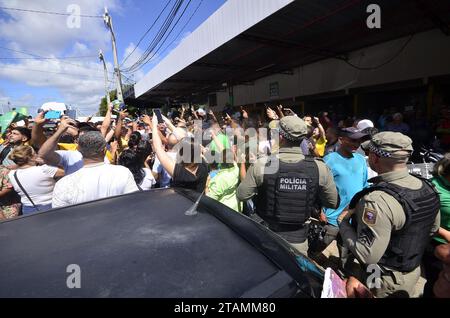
<point>244,113</point>
<point>123,114</point>
<point>290,111</point>
<point>147,120</point>
<point>66,123</point>
<point>271,114</point>
<point>40,118</point>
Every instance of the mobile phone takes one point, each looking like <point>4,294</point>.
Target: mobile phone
<point>72,114</point>
<point>157,112</point>
<point>118,106</point>
<point>52,114</point>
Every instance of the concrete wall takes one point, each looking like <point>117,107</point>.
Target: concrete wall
<point>427,55</point>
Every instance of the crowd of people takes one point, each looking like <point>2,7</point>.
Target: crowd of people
<point>282,169</point>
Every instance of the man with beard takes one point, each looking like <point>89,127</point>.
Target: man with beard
<point>17,137</point>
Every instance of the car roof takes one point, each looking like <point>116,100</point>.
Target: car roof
<point>143,245</point>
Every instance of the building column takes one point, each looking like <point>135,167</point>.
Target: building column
<point>302,108</point>
<point>430,95</point>
<point>355,104</point>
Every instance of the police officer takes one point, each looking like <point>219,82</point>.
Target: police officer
<point>288,185</point>
<point>390,223</point>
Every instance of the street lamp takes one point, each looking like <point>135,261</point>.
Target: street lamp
<point>102,58</point>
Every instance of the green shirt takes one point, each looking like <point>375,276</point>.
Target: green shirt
<point>443,187</point>
<point>223,140</point>
<point>223,187</point>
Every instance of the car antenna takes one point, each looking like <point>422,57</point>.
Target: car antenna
<point>193,209</point>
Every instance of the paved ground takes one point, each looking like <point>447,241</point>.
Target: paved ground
<point>330,257</point>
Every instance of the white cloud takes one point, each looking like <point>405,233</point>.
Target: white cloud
<point>80,82</point>
<point>132,59</point>
<point>81,85</point>
<point>50,34</point>
<point>4,99</point>
<point>21,101</point>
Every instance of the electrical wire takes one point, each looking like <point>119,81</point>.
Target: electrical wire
<point>54,13</point>
<point>48,58</point>
<point>52,72</point>
<point>37,57</point>
<point>184,27</point>
<point>160,33</point>
<point>146,32</point>
<point>157,39</point>
<point>370,68</point>
<point>167,36</point>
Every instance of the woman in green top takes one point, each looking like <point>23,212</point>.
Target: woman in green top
<point>441,180</point>
<point>223,180</point>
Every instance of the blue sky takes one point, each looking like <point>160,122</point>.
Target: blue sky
<point>27,81</point>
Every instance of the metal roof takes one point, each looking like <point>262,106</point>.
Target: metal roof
<point>298,33</point>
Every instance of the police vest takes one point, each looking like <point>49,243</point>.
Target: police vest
<point>288,197</point>
<point>407,245</point>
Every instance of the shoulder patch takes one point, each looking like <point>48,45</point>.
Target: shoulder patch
<point>369,217</point>
<point>366,237</point>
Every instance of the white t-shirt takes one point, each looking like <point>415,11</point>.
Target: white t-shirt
<point>93,182</point>
<point>37,181</point>
<point>149,181</point>
<point>164,176</point>
<point>71,160</point>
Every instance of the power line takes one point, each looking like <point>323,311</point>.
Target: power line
<point>146,32</point>
<point>54,13</point>
<point>37,57</point>
<point>371,68</point>
<point>159,36</point>
<point>185,25</point>
<point>162,36</point>
<point>49,58</point>
<point>168,35</point>
<point>23,52</point>
<point>51,72</point>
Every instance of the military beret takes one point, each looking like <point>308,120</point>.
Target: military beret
<point>388,143</point>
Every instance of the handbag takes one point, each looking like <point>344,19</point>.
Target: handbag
<point>23,190</point>
<point>5,152</point>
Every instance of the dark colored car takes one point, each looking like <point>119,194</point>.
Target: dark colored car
<point>146,245</point>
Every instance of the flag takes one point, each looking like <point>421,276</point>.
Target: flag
<point>22,114</point>
<point>6,120</point>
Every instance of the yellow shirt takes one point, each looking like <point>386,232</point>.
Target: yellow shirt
<point>109,156</point>
<point>320,146</point>
<point>124,142</point>
<point>63,146</point>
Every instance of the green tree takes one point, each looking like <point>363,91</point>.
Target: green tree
<point>103,107</point>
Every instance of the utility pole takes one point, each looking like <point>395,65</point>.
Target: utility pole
<point>102,58</point>
<point>108,22</point>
